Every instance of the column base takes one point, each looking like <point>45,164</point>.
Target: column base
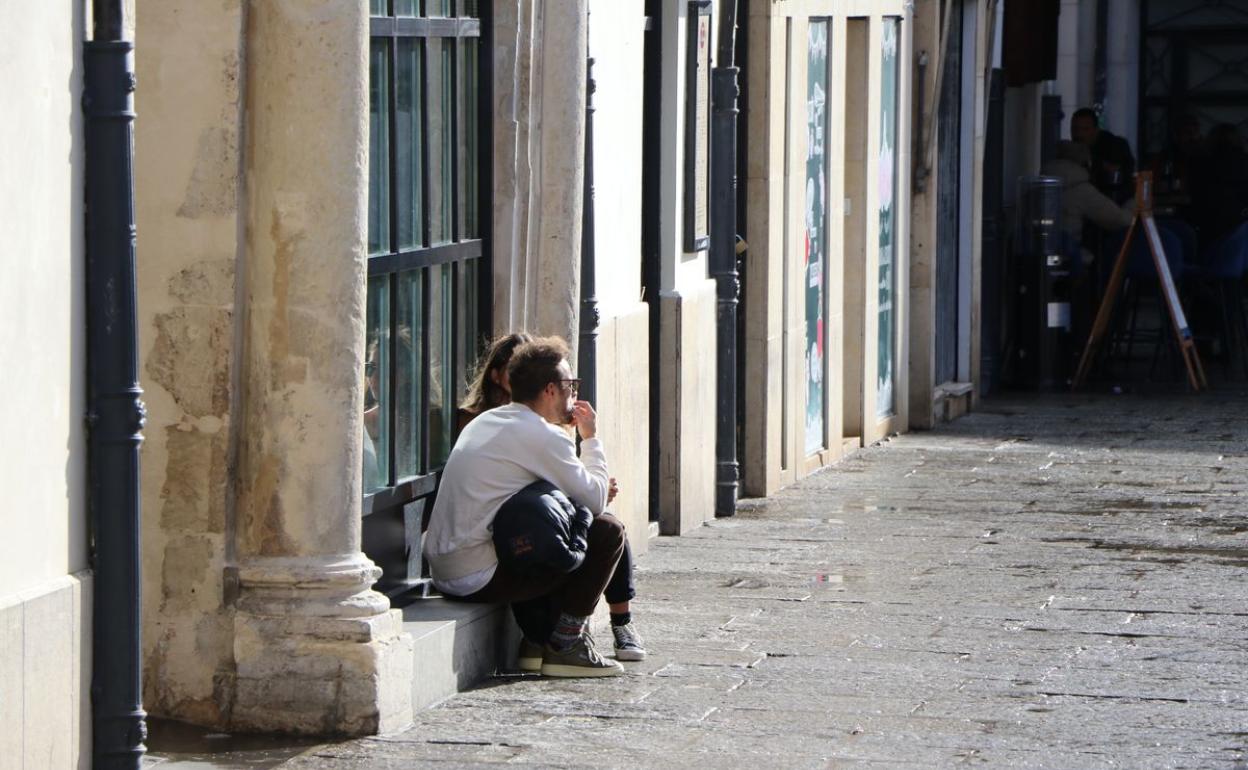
<point>317,651</point>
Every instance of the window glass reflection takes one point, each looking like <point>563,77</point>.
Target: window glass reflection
<point>407,385</point>
<point>379,147</point>
<point>376,391</point>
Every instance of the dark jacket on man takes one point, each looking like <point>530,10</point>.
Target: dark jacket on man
<point>540,529</point>
<point>1112,150</point>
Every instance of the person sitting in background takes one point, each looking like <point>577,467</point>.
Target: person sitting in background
<point>490,387</point>
<point>1111,164</point>
<point>1082,203</point>
<point>1220,188</point>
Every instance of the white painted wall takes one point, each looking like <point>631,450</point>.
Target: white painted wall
<point>616,41</point>
<point>681,270</point>
<point>45,609</point>
<point>42,458</point>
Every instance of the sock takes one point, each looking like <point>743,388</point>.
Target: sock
<point>568,629</point>
<point>621,618</point>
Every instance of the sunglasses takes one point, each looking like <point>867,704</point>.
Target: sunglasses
<point>573,384</point>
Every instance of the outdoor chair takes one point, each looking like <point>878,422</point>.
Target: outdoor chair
<point>1222,268</point>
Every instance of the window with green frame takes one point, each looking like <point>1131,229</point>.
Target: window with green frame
<point>426,253</point>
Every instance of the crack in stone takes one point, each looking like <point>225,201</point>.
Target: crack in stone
<point>1094,696</point>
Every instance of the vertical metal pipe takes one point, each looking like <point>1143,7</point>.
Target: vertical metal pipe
<point>115,409</point>
<point>587,345</point>
<point>1100,58</point>
<point>723,260</point>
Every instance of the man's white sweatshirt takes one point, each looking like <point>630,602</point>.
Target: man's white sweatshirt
<point>499,453</point>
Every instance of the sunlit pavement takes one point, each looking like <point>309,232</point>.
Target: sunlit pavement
<point>1049,582</point>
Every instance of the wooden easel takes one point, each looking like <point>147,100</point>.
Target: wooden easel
<point>1143,220</point>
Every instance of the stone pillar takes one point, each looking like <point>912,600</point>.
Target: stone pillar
<point>557,253</point>
<point>317,651</point>
<point>513,49</point>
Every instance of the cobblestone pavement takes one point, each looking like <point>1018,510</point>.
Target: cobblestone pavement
<point>1045,583</point>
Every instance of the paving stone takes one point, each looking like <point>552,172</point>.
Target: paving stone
<point>1048,582</point>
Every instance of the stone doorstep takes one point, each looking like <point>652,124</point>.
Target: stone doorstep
<point>951,400</point>
<point>458,645</point>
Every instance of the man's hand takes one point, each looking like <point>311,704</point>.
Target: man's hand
<point>585,419</point>
<point>613,489</point>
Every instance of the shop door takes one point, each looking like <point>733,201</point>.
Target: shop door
<point>948,195</point>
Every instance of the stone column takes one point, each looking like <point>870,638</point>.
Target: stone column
<point>556,258</point>
<point>317,651</point>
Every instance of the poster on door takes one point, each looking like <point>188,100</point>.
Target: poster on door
<point>816,230</point>
<point>886,374</point>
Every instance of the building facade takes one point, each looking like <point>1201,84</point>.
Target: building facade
<point>45,577</point>
<point>337,202</point>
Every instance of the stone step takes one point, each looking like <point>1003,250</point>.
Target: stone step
<point>456,646</point>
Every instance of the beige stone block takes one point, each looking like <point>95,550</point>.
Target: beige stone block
<point>456,645</point>
<point>687,417</point>
<point>624,396</point>
<point>48,702</point>
<point>12,678</point>
<point>83,615</point>
<point>190,71</point>
<point>310,684</point>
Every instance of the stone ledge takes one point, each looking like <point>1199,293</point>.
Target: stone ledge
<point>950,401</point>
<point>456,645</point>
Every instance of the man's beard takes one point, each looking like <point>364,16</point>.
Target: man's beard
<point>568,417</point>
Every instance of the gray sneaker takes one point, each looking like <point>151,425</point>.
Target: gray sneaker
<point>580,660</point>
<point>628,644</point>
<point>529,659</point>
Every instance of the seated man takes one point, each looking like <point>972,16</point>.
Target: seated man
<point>501,452</point>
<point>1111,164</point>
<point>1082,203</point>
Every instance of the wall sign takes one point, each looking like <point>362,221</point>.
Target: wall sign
<point>816,245</point>
<point>698,127</point>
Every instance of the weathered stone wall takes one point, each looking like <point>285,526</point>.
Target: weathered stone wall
<point>258,613</point>
<point>187,204</point>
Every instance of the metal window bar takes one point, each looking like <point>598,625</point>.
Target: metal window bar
<point>389,26</point>
<point>425,239</point>
<point>425,257</point>
<point>392,285</point>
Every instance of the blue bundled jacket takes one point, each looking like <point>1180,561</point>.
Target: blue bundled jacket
<point>540,529</point>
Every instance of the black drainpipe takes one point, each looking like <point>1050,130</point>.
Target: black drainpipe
<point>587,345</point>
<point>115,413</point>
<point>723,260</point>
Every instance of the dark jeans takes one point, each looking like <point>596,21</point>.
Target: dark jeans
<point>537,599</point>
<point>621,588</point>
